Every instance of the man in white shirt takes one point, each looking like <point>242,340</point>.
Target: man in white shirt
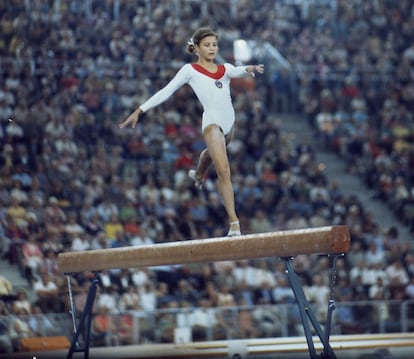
<point>201,319</point>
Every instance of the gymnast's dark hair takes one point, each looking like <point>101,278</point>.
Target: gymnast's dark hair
<point>199,35</point>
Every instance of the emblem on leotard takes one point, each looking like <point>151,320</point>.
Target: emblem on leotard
<point>219,84</point>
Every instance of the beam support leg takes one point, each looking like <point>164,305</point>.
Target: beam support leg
<point>84,324</point>
<point>308,317</point>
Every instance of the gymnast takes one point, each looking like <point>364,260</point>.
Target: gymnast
<point>211,84</point>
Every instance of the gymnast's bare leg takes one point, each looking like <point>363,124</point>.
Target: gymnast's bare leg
<point>204,162</point>
<point>203,165</point>
<point>216,153</point>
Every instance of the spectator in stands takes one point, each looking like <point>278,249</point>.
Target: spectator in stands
<point>141,238</point>
<point>210,291</point>
<point>18,192</point>
<point>104,329</point>
<point>188,225</point>
<point>164,295</point>
<point>113,227</point>
<point>148,297</point>
<point>93,225</point>
<point>17,213</point>
<point>107,211</point>
<point>72,227</point>
<point>22,302</point>
<point>244,272</point>
<point>14,236</point>
<point>170,225</point>
<point>267,321</point>
<point>246,326</point>
<point>88,211</point>
<point>152,226</point>
<point>54,226</point>
<point>264,272</point>
<point>120,240</point>
<point>379,291</point>
<point>396,274</point>
<point>39,323</point>
<point>6,345</point>
<point>197,212</point>
<point>140,276</point>
<point>359,270</point>
<point>131,225</point>
<point>80,242</point>
<point>18,327</point>
<point>263,294</point>
<point>107,299</point>
<point>50,263</point>
<point>100,241</point>
<point>409,264</point>
<point>318,295</point>
<point>32,257</point>
<point>53,211</point>
<point>409,289</point>
<point>297,222</point>
<point>125,329</point>
<point>54,128</point>
<point>227,318</point>
<point>47,294</point>
<point>393,243</point>
<point>166,321</point>
<point>348,323</point>
<point>6,289</point>
<point>80,296</point>
<point>55,242</point>
<point>283,292</point>
<point>186,292</point>
<point>374,272</point>
<point>130,299</point>
<point>105,279</point>
<point>34,226</point>
<point>343,290</point>
<point>201,319</point>
<point>260,223</point>
<point>14,130</point>
<point>225,297</point>
<point>122,279</point>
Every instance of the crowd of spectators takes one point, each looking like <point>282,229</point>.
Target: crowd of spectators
<point>71,180</point>
<point>366,117</point>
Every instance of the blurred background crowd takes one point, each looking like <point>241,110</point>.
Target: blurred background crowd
<point>71,180</point>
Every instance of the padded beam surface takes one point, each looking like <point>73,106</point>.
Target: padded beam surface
<point>321,240</point>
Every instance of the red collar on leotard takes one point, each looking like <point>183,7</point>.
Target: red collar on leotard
<point>217,75</point>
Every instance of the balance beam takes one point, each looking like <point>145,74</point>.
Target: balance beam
<point>290,243</point>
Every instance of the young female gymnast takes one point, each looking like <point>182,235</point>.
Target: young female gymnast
<point>211,84</point>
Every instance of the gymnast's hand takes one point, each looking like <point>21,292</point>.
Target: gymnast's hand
<point>132,119</point>
<point>259,68</point>
<point>251,69</point>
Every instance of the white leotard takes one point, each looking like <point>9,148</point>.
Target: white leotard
<point>212,90</point>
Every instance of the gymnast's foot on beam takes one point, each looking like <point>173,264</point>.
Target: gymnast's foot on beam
<point>197,182</point>
<point>234,229</point>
